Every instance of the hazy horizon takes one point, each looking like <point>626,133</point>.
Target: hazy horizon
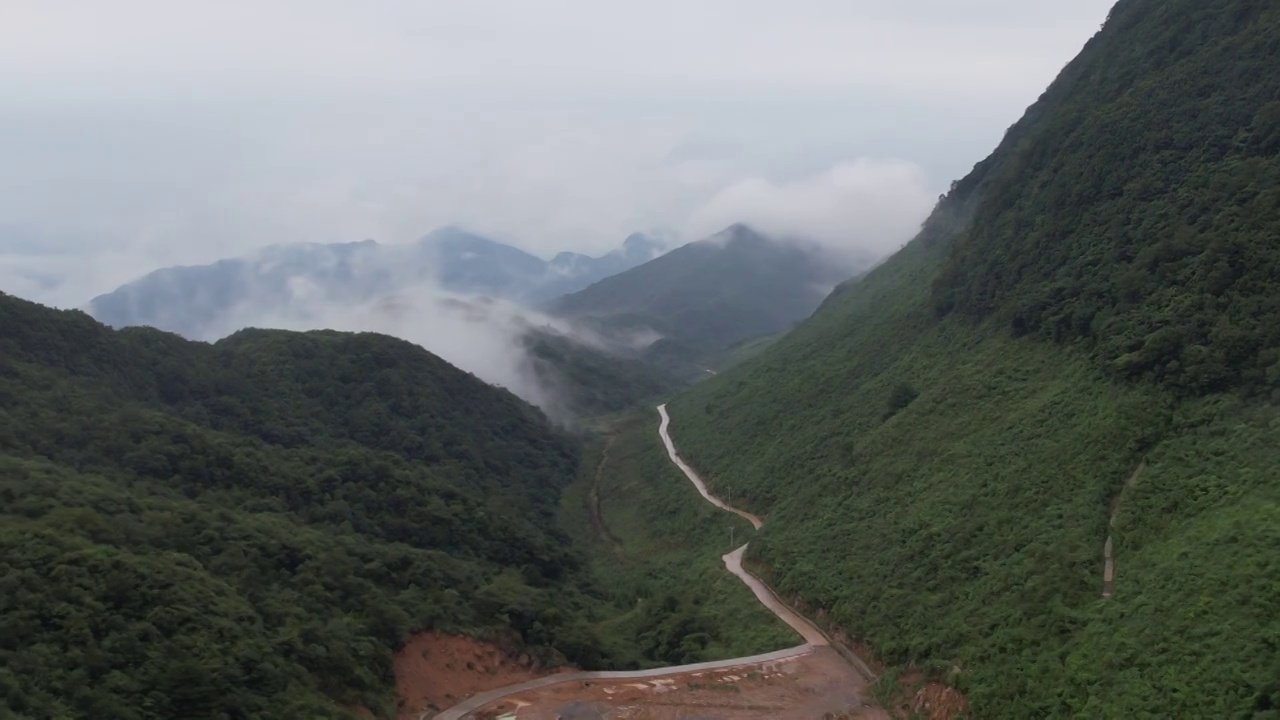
<point>144,134</point>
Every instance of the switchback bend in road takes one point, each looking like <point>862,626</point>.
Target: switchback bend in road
<point>733,561</point>
<point>813,637</point>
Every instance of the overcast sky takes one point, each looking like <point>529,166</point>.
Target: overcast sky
<point>142,133</point>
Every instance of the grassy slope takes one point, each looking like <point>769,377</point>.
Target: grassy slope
<point>966,529</point>
<point>668,545</point>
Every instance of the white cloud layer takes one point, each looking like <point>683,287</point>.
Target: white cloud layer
<point>865,207</point>
<point>143,133</point>
<point>478,335</point>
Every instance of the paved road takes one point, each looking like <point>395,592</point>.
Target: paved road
<point>756,522</point>
<point>811,634</point>
<point>813,637</point>
<point>733,561</point>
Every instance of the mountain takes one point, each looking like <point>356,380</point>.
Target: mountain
<point>708,295</point>
<point>571,376</point>
<point>206,302</point>
<point>470,264</point>
<point>1076,356</point>
<point>590,381</point>
<point>210,301</point>
<point>251,528</point>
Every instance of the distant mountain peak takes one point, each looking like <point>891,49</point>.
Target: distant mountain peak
<point>736,284</point>
<point>569,260</point>
<point>641,245</point>
<point>207,301</point>
<point>743,233</point>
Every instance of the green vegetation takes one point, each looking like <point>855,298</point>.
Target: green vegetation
<point>657,547</point>
<point>747,349</point>
<point>250,529</point>
<point>938,449</point>
<point>1134,211</point>
<point>594,382</point>
<point>708,296</point>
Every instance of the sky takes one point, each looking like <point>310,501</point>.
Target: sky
<point>142,133</point>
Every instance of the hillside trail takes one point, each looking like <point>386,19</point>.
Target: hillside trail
<point>1108,549</point>
<point>593,499</point>
<point>813,636</point>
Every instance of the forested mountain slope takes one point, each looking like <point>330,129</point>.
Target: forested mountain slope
<point>713,293</point>
<point>944,448</point>
<point>249,529</point>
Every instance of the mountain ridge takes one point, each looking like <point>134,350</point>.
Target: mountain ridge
<point>205,302</point>
<point>711,294</point>
<point>960,423</point>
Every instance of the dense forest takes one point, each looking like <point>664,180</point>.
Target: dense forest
<point>1080,345</point>
<point>249,529</point>
<point>1135,211</point>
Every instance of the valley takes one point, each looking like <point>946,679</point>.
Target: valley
<point>1025,466</point>
<point>808,680</point>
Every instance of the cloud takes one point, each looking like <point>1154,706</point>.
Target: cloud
<point>185,132</point>
<point>138,134</point>
<point>865,207</point>
<point>555,46</point>
<point>479,335</point>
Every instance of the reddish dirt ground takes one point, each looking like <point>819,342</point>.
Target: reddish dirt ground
<point>918,698</point>
<point>939,702</point>
<point>434,671</point>
<point>820,684</point>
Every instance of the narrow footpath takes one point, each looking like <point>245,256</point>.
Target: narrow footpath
<point>1108,548</point>
<point>812,635</point>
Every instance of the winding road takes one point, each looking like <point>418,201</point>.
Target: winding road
<point>733,561</point>
<point>813,637</point>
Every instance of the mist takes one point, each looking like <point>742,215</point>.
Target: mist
<point>480,335</point>
<point>860,210</point>
<point>143,134</point>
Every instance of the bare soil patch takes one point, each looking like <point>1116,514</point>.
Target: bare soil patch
<point>811,686</point>
<point>435,671</point>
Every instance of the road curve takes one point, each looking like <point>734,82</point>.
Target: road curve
<point>813,637</point>
<point>811,634</point>
<point>756,522</point>
<point>733,561</point>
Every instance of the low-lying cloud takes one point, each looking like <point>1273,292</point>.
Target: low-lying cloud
<point>480,335</point>
<point>863,208</point>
